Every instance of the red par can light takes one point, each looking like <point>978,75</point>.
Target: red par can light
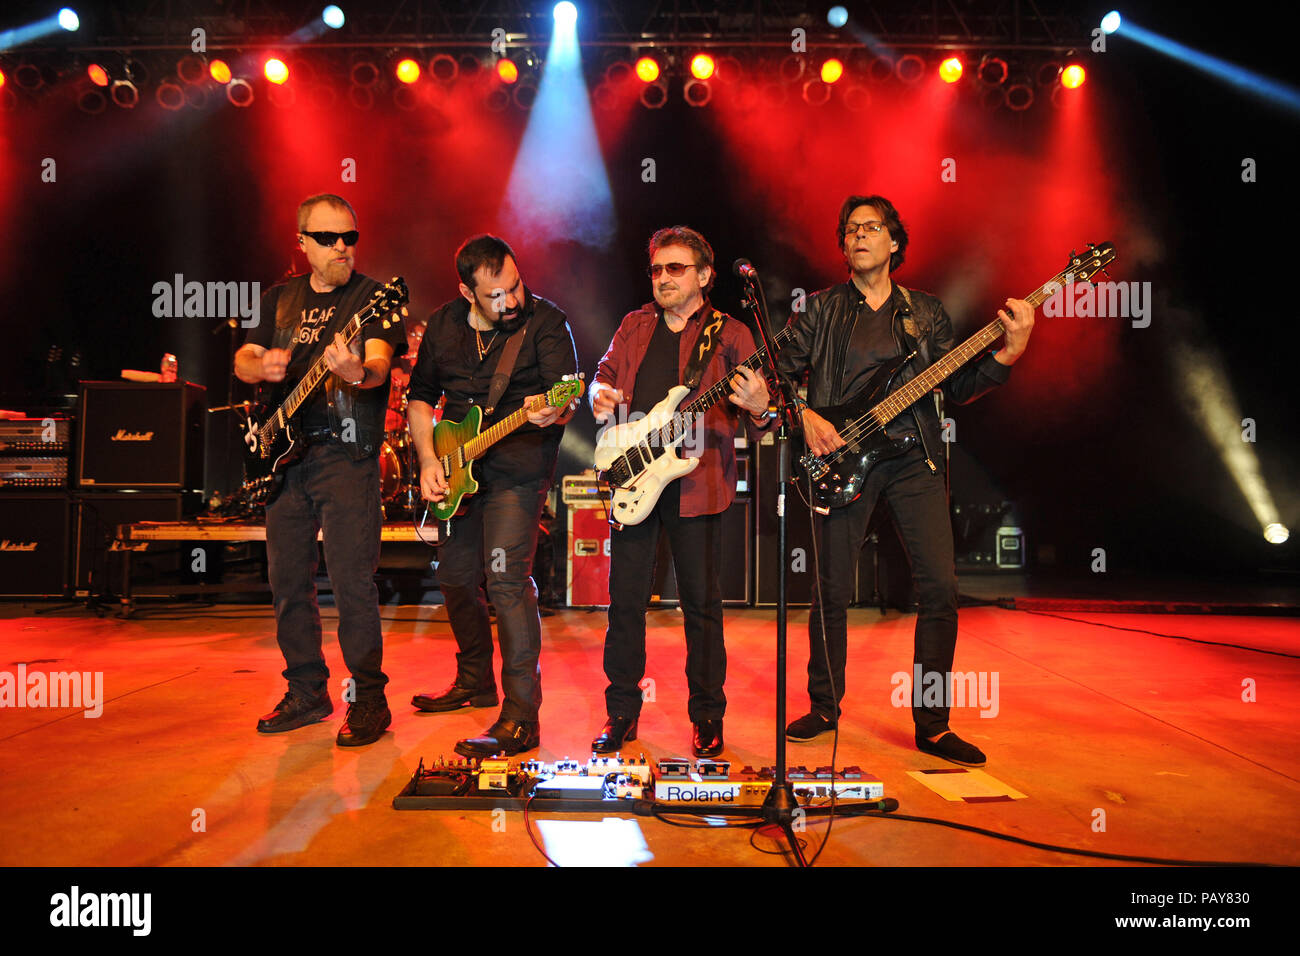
<point>950,70</point>
<point>1072,76</point>
<point>507,71</point>
<point>98,75</point>
<point>275,70</point>
<point>832,70</point>
<point>219,70</point>
<point>647,69</point>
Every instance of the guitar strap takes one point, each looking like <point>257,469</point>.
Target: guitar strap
<point>505,368</point>
<point>706,343</point>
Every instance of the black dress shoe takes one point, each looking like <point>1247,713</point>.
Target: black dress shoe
<point>454,698</point>
<point>365,723</point>
<point>507,737</point>
<point>617,732</point>
<point>707,741</point>
<point>953,749</point>
<point>294,711</point>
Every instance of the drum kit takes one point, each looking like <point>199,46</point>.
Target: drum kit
<point>399,466</point>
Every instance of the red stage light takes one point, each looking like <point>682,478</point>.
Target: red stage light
<point>647,69</point>
<point>701,66</point>
<point>1072,77</point>
<point>219,71</point>
<point>408,71</point>
<point>2,78</point>
<point>832,70</point>
<point>98,75</point>
<point>950,70</point>
<point>275,70</point>
<point>507,70</point>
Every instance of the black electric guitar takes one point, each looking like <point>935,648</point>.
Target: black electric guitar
<point>272,440</point>
<point>837,478</point>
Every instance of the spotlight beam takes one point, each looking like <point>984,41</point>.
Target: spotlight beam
<point>1245,80</point>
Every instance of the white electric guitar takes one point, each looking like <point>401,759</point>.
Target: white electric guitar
<point>639,459</point>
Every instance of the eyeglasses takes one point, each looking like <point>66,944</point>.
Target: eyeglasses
<point>674,269</point>
<point>874,227</point>
<point>328,239</point>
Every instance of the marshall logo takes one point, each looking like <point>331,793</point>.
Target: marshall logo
<point>7,545</point>
<point>124,435</point>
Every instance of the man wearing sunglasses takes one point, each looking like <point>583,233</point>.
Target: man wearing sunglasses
<point>334,486</point>
<point>841,338</point>
<point>651,353</point>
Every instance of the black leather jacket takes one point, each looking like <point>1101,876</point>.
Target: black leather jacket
<point>821,344</point>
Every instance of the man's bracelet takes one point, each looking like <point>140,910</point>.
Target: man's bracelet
<point>364,372</point>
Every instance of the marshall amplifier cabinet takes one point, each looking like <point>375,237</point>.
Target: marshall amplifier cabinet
<point>141,435</point>
<point>33,545</point>
<point>97,567</point>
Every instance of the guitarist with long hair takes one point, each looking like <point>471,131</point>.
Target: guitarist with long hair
<point>497,332</point>
<point>845,333</point>
<point>333,487</point>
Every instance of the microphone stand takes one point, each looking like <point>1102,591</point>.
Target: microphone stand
<point>781,807</point>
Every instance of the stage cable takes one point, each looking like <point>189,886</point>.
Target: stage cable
<point>1142,630</point>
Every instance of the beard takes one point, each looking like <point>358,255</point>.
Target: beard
<point>338,273</point>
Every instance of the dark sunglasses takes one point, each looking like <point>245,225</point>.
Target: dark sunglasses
<point>674,269</point>
<point>328,239</point>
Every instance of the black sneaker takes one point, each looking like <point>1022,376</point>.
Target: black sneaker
<point>365,723</point>
<point>294,711</point>
<point>953,749</point>
<point>808,726</point>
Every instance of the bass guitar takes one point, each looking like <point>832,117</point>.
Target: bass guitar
<point>836,479</point>
<point>459,444</point>
<point>639,459</point>
<point>271,441</point>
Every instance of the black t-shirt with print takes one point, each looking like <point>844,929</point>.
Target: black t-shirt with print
<point>320,319</point>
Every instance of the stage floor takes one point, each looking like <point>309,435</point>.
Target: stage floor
<point>1121,742</point>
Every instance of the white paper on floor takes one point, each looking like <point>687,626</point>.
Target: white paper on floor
<point>971,786</point>
<point>608,842</point>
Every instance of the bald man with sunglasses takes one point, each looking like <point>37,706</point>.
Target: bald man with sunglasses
<point>333,487</point>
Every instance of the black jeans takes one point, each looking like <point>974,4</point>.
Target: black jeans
<point>328,492</point>
<point>492,545</point>
<point>919,503</point>
<point>697,557</point>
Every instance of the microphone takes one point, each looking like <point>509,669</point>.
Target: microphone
<point>744,269</point>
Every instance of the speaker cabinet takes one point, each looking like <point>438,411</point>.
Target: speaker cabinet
<point>33,545</point>
<point>141,435</point>
<point>587,563</point>
<point>97,567</point>
<point>735,575</point>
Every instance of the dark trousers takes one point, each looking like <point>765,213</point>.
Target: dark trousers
<point>696,545</point>
<point>491,547</point>
<point>327,492</point>
<point>919,503</point>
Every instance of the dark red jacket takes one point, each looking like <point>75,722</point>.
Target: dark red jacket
<point>711,487</point>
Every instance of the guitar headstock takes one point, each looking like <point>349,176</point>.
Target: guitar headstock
<point>1084,266</point>
<point>390,296</point>
<point>565,391</point>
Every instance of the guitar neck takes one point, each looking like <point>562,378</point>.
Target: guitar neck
<point>905,397</point>
<point>477,446</point>
<point>319,369</point>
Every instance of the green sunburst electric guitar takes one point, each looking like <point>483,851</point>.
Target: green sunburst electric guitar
<point>459,444</point>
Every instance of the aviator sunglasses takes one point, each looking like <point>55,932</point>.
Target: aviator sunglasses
<point>674,269</point>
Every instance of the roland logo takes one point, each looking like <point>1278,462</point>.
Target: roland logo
<point>7,545</point>
<point>124,435</point>
<point>701,795</point>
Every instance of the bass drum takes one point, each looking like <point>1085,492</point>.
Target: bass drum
<point>390,474</point>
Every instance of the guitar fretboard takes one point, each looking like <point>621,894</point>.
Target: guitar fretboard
<point>905,397</point>
<point>686,417</point>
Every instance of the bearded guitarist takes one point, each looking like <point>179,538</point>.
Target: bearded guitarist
<point>498,347</point>
<point>333,486</point>
<point>678,339</point>
<point>844,335</point>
